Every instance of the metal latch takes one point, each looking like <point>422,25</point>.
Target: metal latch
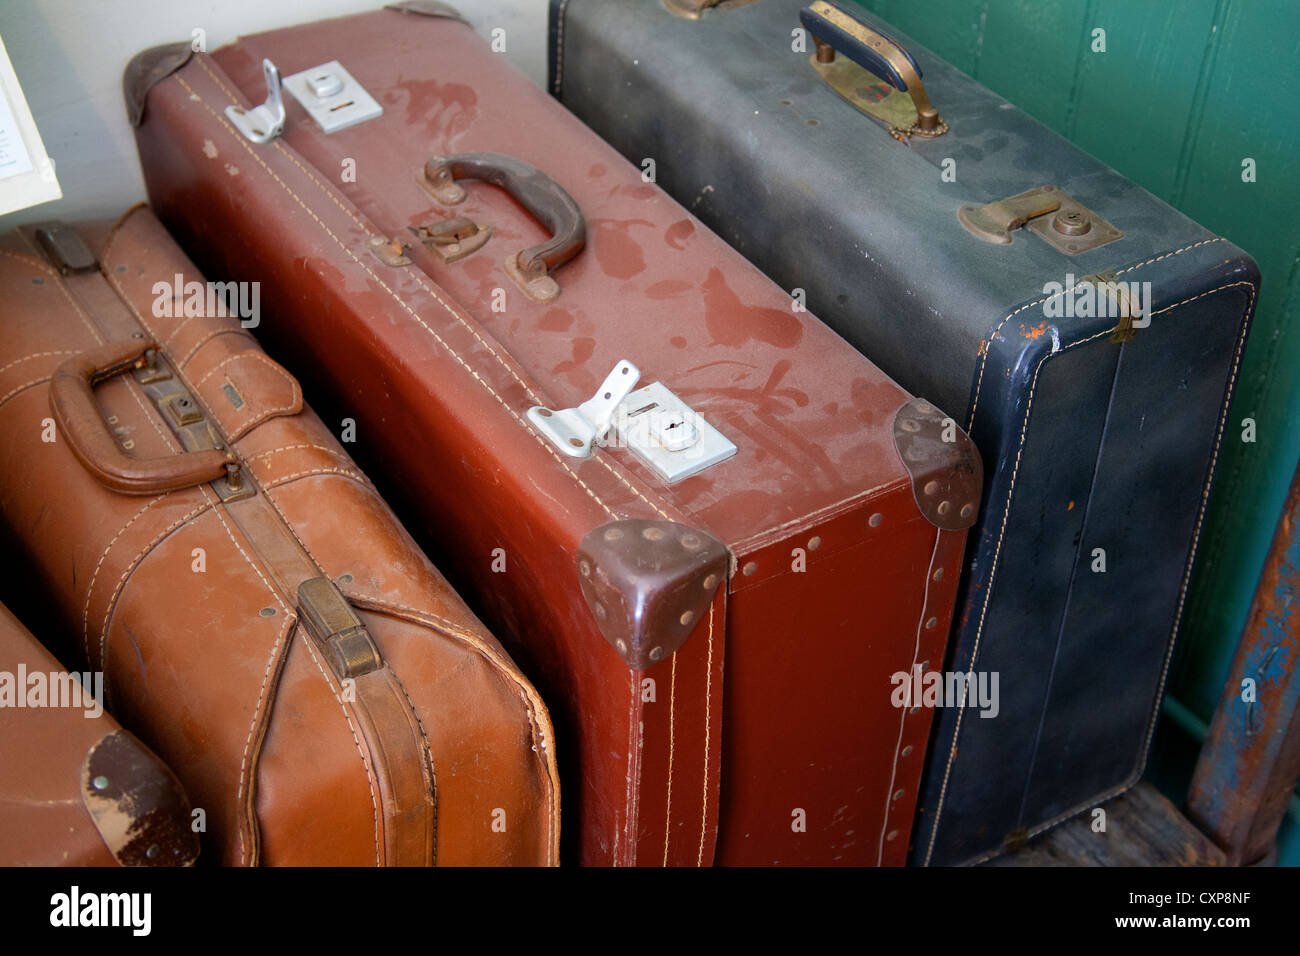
<point>184,416</point>
<point>1072,229</point>
<point>65,248</point>
<point>333,97</point>
<point>659,428</point>
<point>262,123</point>
<point>453,239</point>
<point>575,430</point>
<point>1131,315</point>
<point>336,628</point>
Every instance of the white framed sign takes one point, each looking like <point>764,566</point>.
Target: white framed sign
<point>26,172</point>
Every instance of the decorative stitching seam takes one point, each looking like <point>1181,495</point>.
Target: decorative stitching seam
<point>708,714</point>
<point>559,49</point>
<point>214,333</point>
<point>988,342</point>
<point>501,666</point>
<point>62,287</point>
<point>902,717</point>
<point>410,311</point>
<point>28,358</point>
<point>672,747</point>
<point>365,757</point>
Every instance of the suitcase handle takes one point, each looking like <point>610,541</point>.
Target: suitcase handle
<point>536,192</point>
<point>835,29</point>
<point>72,401</point>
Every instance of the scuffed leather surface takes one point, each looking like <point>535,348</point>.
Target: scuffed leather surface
<point>810,416</point>
<point>190,660</point>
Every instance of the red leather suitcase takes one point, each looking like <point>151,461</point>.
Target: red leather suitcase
<point>75,788</point>
<point>716,636</point>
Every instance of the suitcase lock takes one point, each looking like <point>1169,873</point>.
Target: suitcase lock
<point>1048,212</point>
<point>660,429</point>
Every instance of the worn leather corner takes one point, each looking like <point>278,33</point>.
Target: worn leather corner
<point>146,70</point>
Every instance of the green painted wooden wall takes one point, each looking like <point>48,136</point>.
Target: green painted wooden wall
<point>1185,92</point>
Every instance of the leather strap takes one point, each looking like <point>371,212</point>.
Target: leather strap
<point>397,749</point>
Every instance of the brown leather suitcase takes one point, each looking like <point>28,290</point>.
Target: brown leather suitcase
<point>716,635</point>
<point>261,619</point>
<point>75,788</point>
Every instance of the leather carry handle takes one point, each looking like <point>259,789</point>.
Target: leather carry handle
<point>78,419</point>
<point>536,192</point>
<point>835,29</point>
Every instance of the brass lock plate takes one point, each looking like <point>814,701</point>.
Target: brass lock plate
<point>1065,224</point>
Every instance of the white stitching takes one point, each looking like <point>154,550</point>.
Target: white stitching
<point>902,716</point>
<point>988,590</point>
<point>708,714</point>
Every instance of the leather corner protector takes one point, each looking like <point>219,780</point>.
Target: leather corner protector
<point>947,476</point>
<point>647,584</point>
<point>137,804</point>
<point>428,8</point>
<point>147,69</point>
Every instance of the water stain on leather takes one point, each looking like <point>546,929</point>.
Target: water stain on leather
<point>678,231</point>
<point>731,322</point>
<point>555,320</point>
<point>677,342</point>
<point>597,170</point>
<point>668,289</point>
<point>617,253</point>
<point>575,367</point>
<point>639,192</point>
<point>444,109</point>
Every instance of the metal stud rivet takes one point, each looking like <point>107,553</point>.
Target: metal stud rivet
<point>898,794</point>
<point>153,851</point>
<point>931,624</point>
<point>907,751</point>
<point>910,425</point>
<point>584,569</point>
<point>687,617</point>
<point>925,408</point>
<point>575,442</point>
<point>931,487</point>
<point>346,579</point>
<point>613,534</point>
<point>690,541</point>
<point>656,653</point>
<point>652,534</point>
<point>267,612</point>
<point>749,568</point>
<point>967,510</point>
<point>914,710</point>
<point>875,520</point>
<point>710,582</point>
<point>599,610</point>
<point>814,543</point>
<point>892,834</point>
<point>100,783</point>
<point>621,645</point>
<point>945,507</point>
<point>544,412</point>
<point>938,575</point>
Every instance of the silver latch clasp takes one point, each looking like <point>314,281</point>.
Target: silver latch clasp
<point>262,123</point>
<point>575,430</point>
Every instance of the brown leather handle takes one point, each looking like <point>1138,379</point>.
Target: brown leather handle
<point>534,190</point>
<point>78,419</point>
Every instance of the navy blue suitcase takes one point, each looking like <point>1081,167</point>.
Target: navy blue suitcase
<point>1090,332</point>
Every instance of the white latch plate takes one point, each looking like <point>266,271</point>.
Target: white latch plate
<point>652,421</point>
<point>332,96</point>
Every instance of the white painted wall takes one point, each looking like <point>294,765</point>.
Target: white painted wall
<point>69,56</point>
